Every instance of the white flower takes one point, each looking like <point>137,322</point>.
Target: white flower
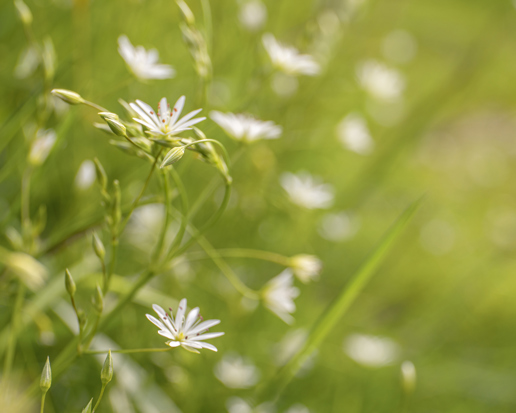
<point>380,81</point>
<point>253,15</point>
<point>339,226</point>
<point>245,128</point>
<point>307,191</point>
<point>144,64</point>
<point>238,405</point>
<point>279,294</point>
<point>236,372</point>
<point>298,408</point>
<point>306,267</point>
<point>86,175</point>
<point>166,122</point>
<point>371,351</point>
<point>42,145</point>
<point>28,269</point>
<point>353,133</point>
<point>288,59</point>
<point>184,331</point>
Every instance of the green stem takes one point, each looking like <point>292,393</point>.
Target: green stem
<point>129,351</point>
<point>79,349</point>
<point>25,207</point>
<point>184,216</point>
<point>91,335</point>
<point>95,106</point>
<point>100,397</point>
<point>13,334</point>
<point>112,263</point>
<point>161,241</point>
<point>43,401</point>
<point>242,253</point>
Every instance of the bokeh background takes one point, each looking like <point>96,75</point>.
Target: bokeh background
<point>444,298</point>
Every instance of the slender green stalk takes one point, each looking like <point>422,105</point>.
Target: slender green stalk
<point>184,216</point>
<point>95,106</point>
<point>25,208</point>
<point>242,253</point>
<point>337,309</point>
<point>79,349</point>
<point>100,398</point>
<point>130,350</point>
<point>112,262</point>
<point>13,333</point>
<point>43,402</point>
<point>168,201</point>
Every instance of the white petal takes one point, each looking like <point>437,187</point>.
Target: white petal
<point>187,117</point>
<point>206,336</point>
<point>191,319</point>
<point>203,326</point>
<point>155,321</point>
<point>178,107</point>
<point>180,315</point>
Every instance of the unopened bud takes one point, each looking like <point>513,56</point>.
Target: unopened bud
<point>408,376</point>
<point>23,11</point>
<point>101,174</point>
<point>107,369</point>
<point>98,300</point>
<point>98,246</point>
<point>68,96</point>
<point>174,155</point>
<point>87,409</point>
<point>186,12</point>
<point>108,115</point>
<point>46,377</point>
<point>116,126</point>
<point>69,283</point>
<point>81,316</point>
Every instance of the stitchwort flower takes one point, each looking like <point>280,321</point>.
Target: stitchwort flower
<point>279,294</point>
<point>142,63</point>
<point>187,332</point>
<point>166,122</point>
<point>246,128</point>
<point>307,191</point>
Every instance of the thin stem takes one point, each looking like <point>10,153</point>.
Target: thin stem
<point>145,185</point>
<point>79,349</point>
<point>92,333</point>
<point>242,253</point>
<point>184,217</point>
<point>13,334</point>
<point>130,350</point>
<point>25,207</point>
<point>112,263</point>
<point>95,106</point>
<point>100,397</point>
<point>161,241</point>
<point>43,401</point>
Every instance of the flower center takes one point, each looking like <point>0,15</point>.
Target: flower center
<point>180,336</point>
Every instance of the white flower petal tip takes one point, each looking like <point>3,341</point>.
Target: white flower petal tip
<point>165,121</point>
<point>242,127</point>
<point>279,294</point>
<point>142,63</point>
<point>288,59</point>
<point>307,191</point>
<point>306,267</point>
<point>187,330</point>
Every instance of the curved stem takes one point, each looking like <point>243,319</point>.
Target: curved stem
<point>159,246</point>
<point>13,334</point>
<point>184,217</point>
<point>129,351</point>
<point>95,106</point>
<point>243,253</point>
<point>100,397</point>
<point>25,208</point>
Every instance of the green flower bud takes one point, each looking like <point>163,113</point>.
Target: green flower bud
<point>174,155</point>
<point>98,247</point>
<point>87,409</point>
<point>68,96</point>
<point>23,11</point>
<point>101,174</point>
<point>108,115</point>
<point>116,126</point>
<point>107,370</point>
<point>69,283</point>
<point>81,316</point>
<point>98,300</point>
<point>46,377</point>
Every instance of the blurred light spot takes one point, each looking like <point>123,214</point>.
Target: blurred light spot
<point>284,85</point>
<point>354,135</point>
<point>487,168</point>
<point>236,372</point>
<point>437,237</point>
<point>399,46</point>
<point>298,408</point>
<point>339,226</point>
<point>371,351</point>
<point>252,15</point>
<point>219,93</point>
<point>501,227</point>
<point>386,113</point>
<point>86,175</point>
<point>380,81</point>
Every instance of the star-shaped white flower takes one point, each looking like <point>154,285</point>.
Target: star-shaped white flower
<point>245,128</point>
<point>186,332</point>
<point>166,122</point>
<point>144,64</point>
<point>288,59</point>
<point>279,294</point>
<point>307,191</point>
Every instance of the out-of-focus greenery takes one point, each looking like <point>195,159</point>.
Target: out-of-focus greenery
<point>446,292</point>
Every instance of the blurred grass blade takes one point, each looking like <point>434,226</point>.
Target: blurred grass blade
<point>337,309</point>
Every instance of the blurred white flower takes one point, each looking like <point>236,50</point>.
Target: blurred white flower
<point>238,405</point>
<point>371,351</point>
<point>337,227</point>
<point>399,46</point>
<point>288,59</point>
<point>306,267</point>
<point>246,128</point>
<point>145,224</point>
<point>289,345</point>
<point>166,122</point>
<point>353,133</point>
<point>27,63</point>
<point>41,146</point>
<point>144,64</point>
<point>236,372</point>
<point>380,81</point>
<point>186,332</point>
<point>298,408</point>
<point>30,271</point>
<point>408,376</point>
<point>307,191</point>
<point>86,175</point>
<point>252,15</point>
<point>279,294</point>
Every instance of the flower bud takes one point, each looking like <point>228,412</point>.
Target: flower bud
<point>174,155</point>
<point>28,269</point>
<point>98,247</point>
<point>87,409</point>
<point>408,377</point>
<point>41,147</point>
<point>68,96</point>
<point>116,126</point>
<point>98,300</point>
<point>101,174</point>
<point>81,317</point>
<point>108,115</point>
<point>306,267</point>
<point>46,377</point>
<point>23,12</point>
<point>107,369</point>
<point>69,283</point>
